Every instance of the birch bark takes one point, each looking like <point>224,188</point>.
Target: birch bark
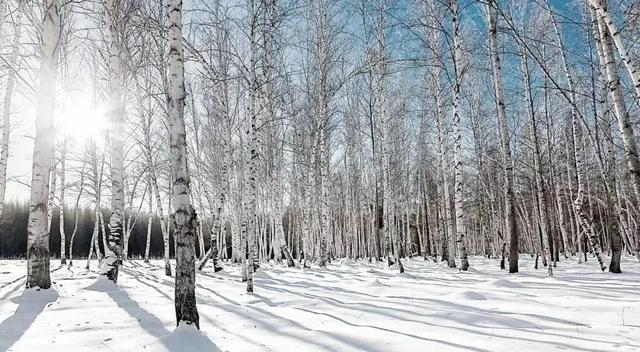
<point>12,64</point>
<point>63,158</point>
<point>507,162</point>
<point>38,232</point>
<point>185,218</point>
<point>457,137</point>
<point>600,6</point>
<point>114,250</point>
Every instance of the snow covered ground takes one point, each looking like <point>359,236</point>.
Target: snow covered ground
<point>346,307</point>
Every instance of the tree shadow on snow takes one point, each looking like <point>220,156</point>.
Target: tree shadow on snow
<point>183,338</point>
<point>31,303</point>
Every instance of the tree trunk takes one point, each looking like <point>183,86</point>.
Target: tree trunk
<point>12,65</point>
<point>185,218</point>
<point>149,221</point>
<point>457,139</point>
<point>541,197</point>
<point>507,162</point>
<point>38,232</point>
<point>113,252</point>
<point>600,7</point>
<point>63,157</point>
<point>76,210</point>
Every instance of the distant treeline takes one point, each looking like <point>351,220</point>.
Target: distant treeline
<point>13,233</point>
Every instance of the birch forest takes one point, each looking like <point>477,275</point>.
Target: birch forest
<point>319,175</point>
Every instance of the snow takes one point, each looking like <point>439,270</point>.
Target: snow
<point>348,306</point>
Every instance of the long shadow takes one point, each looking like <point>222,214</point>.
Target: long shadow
<point>385,311</point>
<point>237,308</point>
<point>13,281</point>
<point>14,289</point>
<point>139,273</point>
<point>154,326</point>
<point>137,278</point>
<point>30,304</point>
<point>452,344</point>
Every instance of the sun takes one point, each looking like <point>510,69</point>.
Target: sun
<point>80,118</point>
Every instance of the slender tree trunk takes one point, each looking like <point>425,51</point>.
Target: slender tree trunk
<point>457,138</point>
<point>94,237</point>
<point>163,222</point>
<point>113,253</point>
<point>63,157</point>
<point>12,64</point>
<point>543,214</point>
<point>52,191</point>
<point>510,203</point>
<point>76,216</point>
<point>252,230</point>
<point>149,221</point>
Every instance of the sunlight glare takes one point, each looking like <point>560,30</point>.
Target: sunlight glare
<point>80,119</point>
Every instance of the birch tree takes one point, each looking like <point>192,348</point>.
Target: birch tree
<point>61,200</point>
<point>12,65</point>
<point>507,161</point>
<point>185,217</point>
<point>38,232</point>
<point>114,250</point>
<point>457,137</point>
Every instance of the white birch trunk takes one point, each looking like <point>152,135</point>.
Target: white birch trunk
<point>160,210</point>
<point>507,162</point>
<point>114,250</point>
<point>540,189</point>
<point>52,191</point>
<point>620,109</point>
<point>76,211</point>
<point>147,244</point>
<point>185,218</point>
<point>600,6</point>
<point>251,203</point>
<point>63,157</point>
<point>38,232</point>
<point>12,64</point>
<point>457,138</point>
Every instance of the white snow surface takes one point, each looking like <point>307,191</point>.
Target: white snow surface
<point>348,306</point>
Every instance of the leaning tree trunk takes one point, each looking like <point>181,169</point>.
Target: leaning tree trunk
<point>94,236</point>
<point>219,216</point>
<point>605,19</point>
<point>113,252</point>
<point>604,31</point>
<point>38,232</point>
<point>76,217</point>
<point>583,221</point>
<point>185,218</point>
<point>12,64</point>
<point>507,162</point>
<point>603,39</point>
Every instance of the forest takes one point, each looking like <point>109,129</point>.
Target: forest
<point>288,166</point>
